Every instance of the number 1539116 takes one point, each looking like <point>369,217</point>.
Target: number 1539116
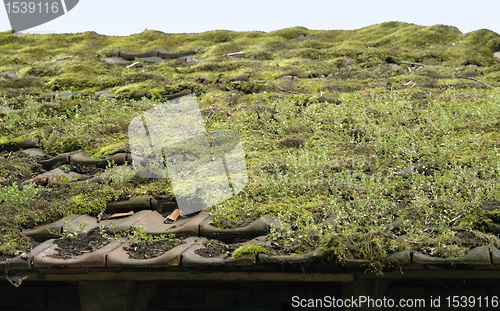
<point>471,301</point>
<point>32,7</point>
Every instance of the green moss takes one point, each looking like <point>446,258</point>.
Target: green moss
<point>155,88</point>
<point>12,242</point>
<point>225,48</point>
<point>72,82</point>
<point>6,140</point>
<point>358,124</point>
<point>93,203</point>
<point>291,33</point>
<point>39,71</point>
<point>195,87</point>
<point>84,68</point>
<point>484,40</point>
<point>111,145</point>
<point>334,246</point>
<point>248,250</point>
<point>62,145</point>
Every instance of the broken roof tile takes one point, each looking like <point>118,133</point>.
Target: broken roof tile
<point>25,262</point>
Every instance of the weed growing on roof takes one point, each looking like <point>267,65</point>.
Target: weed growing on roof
<point>140,235</point>
<point>66,233</point>
<point>360,151</point>
<point>12,199</point>
<point>119,174</point>
<point>340,172</point>
<point>17,195</point>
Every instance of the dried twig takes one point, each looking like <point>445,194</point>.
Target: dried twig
<point>133,64</point>
<point>455,219</point>
<point>232,55</point>
<point>479,81</point>
<point>235,53</point>
<point>62,58</point>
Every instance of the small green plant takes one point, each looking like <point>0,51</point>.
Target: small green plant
<point>139,234</point>
<point>104,232</point>
<point>17,195</point>
<point>61,180</point>
<point>119,174</point>
<point>66,232</point>
<point>248,250</point>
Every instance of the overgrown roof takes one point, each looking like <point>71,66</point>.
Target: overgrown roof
<point>363,142</point>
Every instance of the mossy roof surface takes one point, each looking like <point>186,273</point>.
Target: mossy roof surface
<point>396,155</point>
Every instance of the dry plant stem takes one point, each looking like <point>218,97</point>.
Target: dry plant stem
<point>235,53</point>
<point>455,219</point>
<point>479,81</point>
<point>135,63</point>
<point>232,55</point>
<point>62,58</point>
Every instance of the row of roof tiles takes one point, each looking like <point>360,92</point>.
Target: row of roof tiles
<point>114,255</point>
<point>153,223</point>
<point>196,231</point>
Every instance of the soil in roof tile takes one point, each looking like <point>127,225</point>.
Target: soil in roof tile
<point>70,247</point>
<point>227,224</point>
<point>214,249</point>
<point>148,250</point>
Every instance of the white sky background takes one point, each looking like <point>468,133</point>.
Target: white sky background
<point>125,17</point>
